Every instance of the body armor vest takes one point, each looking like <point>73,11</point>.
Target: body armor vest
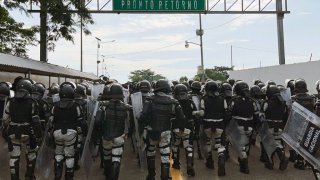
<point>114,121</point>
<point>214,107</point>
<point>304,100</point>
<point>187,108</point>
<point>43,112</point>
<point>162,112</point>
<point>243,108</point>
<point>65,116</point>
<point>275,114</point>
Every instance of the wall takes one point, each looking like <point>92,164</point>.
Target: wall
<point>310,71</point>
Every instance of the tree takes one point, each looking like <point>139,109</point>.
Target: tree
<point>218,73</point>
<point>183,79</point>
<point>57,21</point>
<point>14,36</point>
<point>147,74</point>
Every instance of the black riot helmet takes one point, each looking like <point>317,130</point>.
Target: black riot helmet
<point>175,82</point>
<point>300,86</point>
<point>144,86</point>
<point>54,89</point>
<point>241,88</point>
<point>290,84</point>
<point>211,88</point>
<point>270,82</point>
<point>255,91</point>
<point>162,85</point>
<point>226,89</point>
<point>80,90</point>
<point>257,81</point>
<point>67,90</point>
<point>261,85</point>
<point>186,84</point>
<point>272,90</point>
<point>195,86</point>
<point>15,82</point>
<point>231,81</point>
<point>115,92</point>
<point>318,86</point>
<point>38,90</point>
<point>181,92</point>
<point>190,81</point>
<point>4,89</point>
<point>23,88</point>
<point>106,93</point>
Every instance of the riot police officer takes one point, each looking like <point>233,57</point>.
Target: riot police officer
<point>245,112</point>
<point>80,98</point>
<point>4,95</point>
<point>196,94</point>
<point>304,99</point>
<point>66,118</point>
<point>157,113</point>
<point>183,129</point>
<point>275,113</point>
<point>22,120</point>
<point>214,111</point>
<point>38,90</point>
<point>115,126</point>
<point>53,90</point>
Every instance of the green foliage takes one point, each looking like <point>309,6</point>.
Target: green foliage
<point>183,79</point>
<point>147,74</point>
<point>61,21</point>
<point>218,73</point>
<point>14,36</point>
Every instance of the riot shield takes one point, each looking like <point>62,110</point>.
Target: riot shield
<point>302,134</point>
<point>286,96</point>
<point>196,101</point>
<point>236,138</point>
<point>267,139</point>
<point>87,158</point>
<point>137,107</point>
<point>45,155</point>
<point>126,94</point>
<point>96,90</point>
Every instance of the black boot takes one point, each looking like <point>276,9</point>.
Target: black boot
<point>263,156</point>
<point>165,173</point>
<point>69,174</point>
<point>15,169</point>
<point>76,160</point>
<point>107,168</point>
<point>115,170</point>
<point>293,156</point>
<point>176,159</point>
<point>190,170</point>
<point>30,170</point>
<point>176,164</point>
<point>221,164</point>
<point>151,168</point>
<point>209,162</point>
<point>58,168</point>
<point>283,160</point>
<point>244,168</point>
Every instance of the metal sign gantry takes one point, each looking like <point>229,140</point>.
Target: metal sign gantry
<point>278,7</point>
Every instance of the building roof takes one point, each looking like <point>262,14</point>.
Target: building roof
<point>9,63</point>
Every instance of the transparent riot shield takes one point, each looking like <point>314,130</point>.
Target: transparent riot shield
<point>267,140</point>
<point>137,107</point>
<point>87,158</point>
<point>286,96</point>
<point>236,138</point>
<point>126,94</point>
<point>196,101</point>
<point>96,90</point>
<point>44,170</point>
<point>302,134</point>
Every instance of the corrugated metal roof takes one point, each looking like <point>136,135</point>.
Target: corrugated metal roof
<point>9,63</point>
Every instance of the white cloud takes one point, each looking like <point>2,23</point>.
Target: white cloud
<point>232,41</point>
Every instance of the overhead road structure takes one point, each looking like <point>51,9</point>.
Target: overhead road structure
<point>277,7</point>
<point>13,64</point>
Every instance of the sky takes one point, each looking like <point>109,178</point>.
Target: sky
<point>157,41</point>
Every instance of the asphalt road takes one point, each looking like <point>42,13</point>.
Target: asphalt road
<point>131,171</point>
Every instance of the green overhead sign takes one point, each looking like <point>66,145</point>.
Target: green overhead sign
<point>159,5</point>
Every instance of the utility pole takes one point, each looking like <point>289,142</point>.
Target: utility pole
<point>43,30</point>
<point>280,16</point>
<point>200,33</point>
